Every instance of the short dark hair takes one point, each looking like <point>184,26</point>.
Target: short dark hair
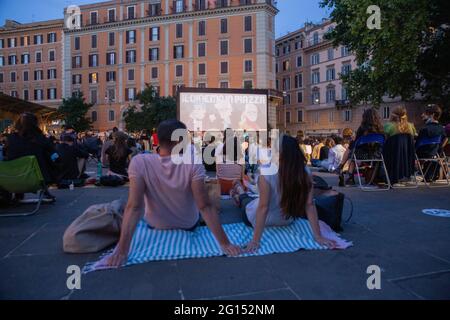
<point>166,129</point>
<point>115,129</point>
<point>433,110</point>
<point>338,139</point>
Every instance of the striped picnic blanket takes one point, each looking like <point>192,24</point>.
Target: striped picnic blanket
<point>157,245</point>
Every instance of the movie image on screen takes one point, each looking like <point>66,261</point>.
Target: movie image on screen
<point>204,111</point>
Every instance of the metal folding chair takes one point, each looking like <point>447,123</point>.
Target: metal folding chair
<point>439,158</point>
<point>379,140</point>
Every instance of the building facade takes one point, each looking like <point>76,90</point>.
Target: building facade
<point>124,45</point>
<point>31,65</point>
<point>309,73</point>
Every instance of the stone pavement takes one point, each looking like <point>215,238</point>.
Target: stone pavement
<point>388,230</point>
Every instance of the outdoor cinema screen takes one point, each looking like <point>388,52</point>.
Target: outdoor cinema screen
<point>215,111</point>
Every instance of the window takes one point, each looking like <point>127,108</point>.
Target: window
<point>11,42</point>
<point>224,67</point>
<point>130,94</point>
<point>14,94</point>
<point>286,83</point>
<point>202,49</point>
<point>178,52</point>
<point>344,51</point>
<point>346,68</point>
<point>331,74</point>
<point>154,34</point>
<point>130,11</point>
<point>179,30</point>
<point>110,76</point>
<point>287,99</point>
<point>248,66</point>
<point>248,46</point>
<point>223,47</point>
<point>330,54</point>
<point>223,26</point>
<point>94,41</point>
<point>111,15</point>
<point>299,97</point>
<point>131,56</point>
<point>131,36</point>
<point>298,81</point>
<point>51,94</point>
<point>154,72</point>
<point>248,23</point>
<point>201,69</point>
<point>38,75</point>
<point>111,39</point>
<point>93,78</point>
<point>93,60</point>
<point>315,59</point>
<point>76,79</point>
<point>111,95</point>
<point>299,61</point>
<point>2,61</point>
<point>331,116</point>
<point>155,9</point>
<point>25,40</point>
<point>315,38</point>
<point>315,97</point>
<point>224,84</point>
<point>12,60</point>
<point>77,43</point>
<point>386,113</point>
<point>201,85</point>
<point>288,117</point>
<point>179,6</point>
<point>38,39</point>
<point>13,76</point>
<point>93,95</point>
<point>111,115</point>
<point>51,55</point>
<point>202,28</point>
<point>51,74</point>
<point>178,71</point>
<point>38,57</point>
<point>315,77</point>
<point>154,54</point>
<point>26,95</point>
<point>77,62</point>
<point>248,84</point>
<point>344,93</point>
<point>94,19</point>
<point>51,37</point>
<point>131,75</point>
<point>110,58</point>
<point>2,43</point>
<point>331,95</point>
<point>94,116</point>
<point>1,78</point>
<point>347,115</point>
<point>299,115</point>
<point>25,58</point>
<point>38,94</point>
<point>286,65</point>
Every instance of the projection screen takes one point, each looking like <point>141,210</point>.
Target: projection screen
<point>217,110</point>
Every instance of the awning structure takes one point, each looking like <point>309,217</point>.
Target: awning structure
<point>15,106</point>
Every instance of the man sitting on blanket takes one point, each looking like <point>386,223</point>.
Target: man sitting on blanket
<point>168,195</point>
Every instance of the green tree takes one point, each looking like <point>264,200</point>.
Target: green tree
<point>154,109</point>
<point>74,110</point>
<point>410,53</point>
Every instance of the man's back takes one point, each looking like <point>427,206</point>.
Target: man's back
<point>169,201</point>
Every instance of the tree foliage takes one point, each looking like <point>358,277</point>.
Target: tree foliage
<point>153,110</point>
<point>74,110</point>
<point>410,53</point>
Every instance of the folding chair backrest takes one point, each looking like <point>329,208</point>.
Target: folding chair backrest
<point>21,175</point>
<point>376,138</point>
<point>429,142</point>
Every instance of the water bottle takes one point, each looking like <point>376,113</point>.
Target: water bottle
<point>71,186</point>
<point>99,171</point>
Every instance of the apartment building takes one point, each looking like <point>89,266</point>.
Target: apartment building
<point>124,45</point>
<point>309,73</point>
<point>31,61</point>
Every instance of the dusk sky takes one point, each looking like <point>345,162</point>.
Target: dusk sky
<point>293,13</point>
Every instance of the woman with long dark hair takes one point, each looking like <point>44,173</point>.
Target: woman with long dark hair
<point>283,197</point>
<point>28,140</point>
<point>118,154</point>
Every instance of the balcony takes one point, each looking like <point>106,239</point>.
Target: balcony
<point>342,104</point>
